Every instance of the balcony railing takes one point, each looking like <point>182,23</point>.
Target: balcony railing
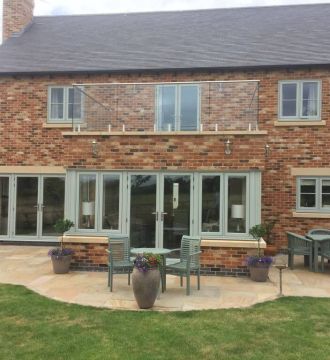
<point>153,107</point>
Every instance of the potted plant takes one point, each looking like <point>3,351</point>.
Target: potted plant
<point>146,279</point>
<point>259,265</point>
<point>61,256</point>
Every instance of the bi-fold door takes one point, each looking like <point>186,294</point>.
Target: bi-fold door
<point>38,204</point>
<point>160,209</point>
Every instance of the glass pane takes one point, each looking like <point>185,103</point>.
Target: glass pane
<point>4,198</point>
<point>87,185</point>
<point>307,200</point>
<point>237,205</point>
<point>308,186</point>
<point>310,99</point>
<point>289,91</point>
<point>110,212</point>
<point>211,204</point>
<point>166,104</point>
<point>74,104</point>
<point>53,204</point>
<point>189,108</point>
<point>326,186</point>
<point>176,209</point>
<point>26,206</point>
<point>289,108</point>
<point>56,111</point>
<point>326,200</point>
<point>309,108</point>
<point>325,193</point>
<point>57,96</point>
<point>143,208</point>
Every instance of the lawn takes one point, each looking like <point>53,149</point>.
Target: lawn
<point>34,327</point>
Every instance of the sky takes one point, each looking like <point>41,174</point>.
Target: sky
<point>69,7</point>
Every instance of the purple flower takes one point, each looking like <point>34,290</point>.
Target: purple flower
<point>147,261</point>
<point>261,261</point>
<point>58,252</point>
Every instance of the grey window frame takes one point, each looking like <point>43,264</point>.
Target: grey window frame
<point>177,120</point>
<point>66,119</point>
<point>318,194</point>
<point>299,97</point>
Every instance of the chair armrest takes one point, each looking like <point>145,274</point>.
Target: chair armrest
<point>173,250</point>
<point>195,253</point>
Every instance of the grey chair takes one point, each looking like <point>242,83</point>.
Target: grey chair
<point>299,245</point>
<point>188,261</point>
<point>119,257</point>
<point>318,232</point>
<point>323,248</point>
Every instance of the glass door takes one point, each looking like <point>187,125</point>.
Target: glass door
<point>4,205</point>
<point>175,214</point>
<point>26,220</point>
<point>143,210</point>
<point>39,204</point>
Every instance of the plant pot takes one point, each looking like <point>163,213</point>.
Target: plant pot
<point>259,272</point>
<point>61,264</point>
<point>145,287</point>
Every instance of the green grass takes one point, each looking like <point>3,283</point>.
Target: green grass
<point>34,327</point>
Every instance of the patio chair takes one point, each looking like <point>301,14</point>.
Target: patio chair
<point>119,257</point>
<point>188,261</point>
<point>318,232</point>
<point>324,252</point>
<point>299,245</point>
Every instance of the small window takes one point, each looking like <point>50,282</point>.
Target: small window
<point>313,194</point>
<point>64,104</point>
<point>299,100</point>
<point>178,107</point>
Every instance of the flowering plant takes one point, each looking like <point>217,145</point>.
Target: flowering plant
<point>147,261</point>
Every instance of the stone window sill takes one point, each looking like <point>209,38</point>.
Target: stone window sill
<point>314,215</point>
<point>246,244</point>
<point>299,123</point>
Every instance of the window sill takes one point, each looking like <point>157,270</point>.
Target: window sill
<point>85,239</point>
<point>56,125</point>
<point>300,122</point>
<point>162,133</point>
<point>314,215</point>
<point>247,244</point>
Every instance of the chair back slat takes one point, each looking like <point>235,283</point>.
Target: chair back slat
<point>297,242</point>
<point>190,245</point>
<point>119,246</point>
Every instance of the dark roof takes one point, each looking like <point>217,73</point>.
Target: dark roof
<point>217,38</point>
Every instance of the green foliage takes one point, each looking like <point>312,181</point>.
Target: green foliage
<point>34,327</point>
<point>63,225</point>
<point>258,231</point>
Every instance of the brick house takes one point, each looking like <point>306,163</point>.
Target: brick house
<point>163,124</point>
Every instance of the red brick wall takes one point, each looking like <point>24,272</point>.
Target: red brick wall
<point>24,141</point>
<point>17,14</point>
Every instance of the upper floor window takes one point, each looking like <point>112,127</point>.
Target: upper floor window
<point>178,107</point>
<point>300,99</point>
<point>313,194</point>
<point>64,104</point>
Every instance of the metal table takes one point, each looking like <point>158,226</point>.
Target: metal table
<point>157,251</point>
<point>317,240</point>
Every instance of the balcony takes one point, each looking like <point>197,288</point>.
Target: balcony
<point>188,107</point>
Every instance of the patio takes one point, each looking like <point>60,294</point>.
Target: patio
<point>30,266</point>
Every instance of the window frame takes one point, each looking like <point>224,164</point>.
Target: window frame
<point>318,195</point>
<point>66,119</point>
<point>177,119</point>
<point>299,100</point>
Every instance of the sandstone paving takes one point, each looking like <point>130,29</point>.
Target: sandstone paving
<point>31,267</point>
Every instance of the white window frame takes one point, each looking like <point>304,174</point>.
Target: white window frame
<point>177,120</point>
<point>299,101</point>
<point>66,119</point>
<point>318,195</point>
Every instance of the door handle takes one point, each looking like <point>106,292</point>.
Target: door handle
<point>162,215</point>
<point>155,213</point>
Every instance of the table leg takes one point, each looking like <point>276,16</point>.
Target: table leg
<point>163,272</point>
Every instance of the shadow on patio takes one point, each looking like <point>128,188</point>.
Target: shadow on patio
<point>30,266</point>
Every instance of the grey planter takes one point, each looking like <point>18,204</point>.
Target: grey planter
<point>259,272</point>
<point>145,287</point>
<point>61,264</point>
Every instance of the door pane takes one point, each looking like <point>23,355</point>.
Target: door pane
<point>237,204</point>
<point>53,204</point>
<point>110,211</point>
<point>143,205</point>
<point>4,197</point>
<point>166,107</point>
<point>26,206</point>
<point>176,209</point>
<point>189,107</point>
<point>87,186</point>
<point>211,203</point>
